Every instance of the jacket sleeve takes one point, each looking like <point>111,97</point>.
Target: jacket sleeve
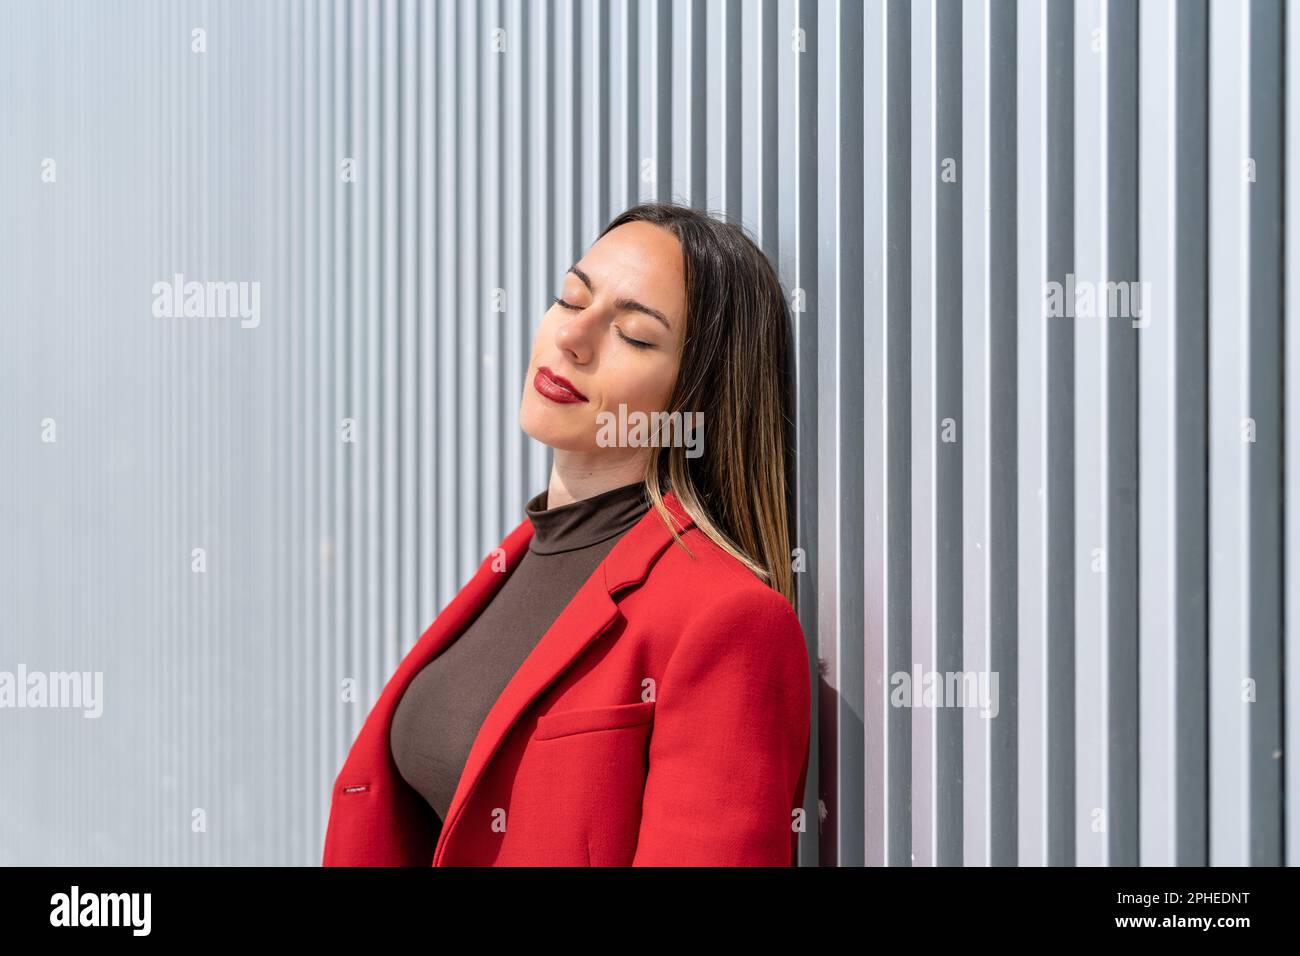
<point>729,745</point>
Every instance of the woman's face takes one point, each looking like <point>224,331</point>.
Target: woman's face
<point>629,286</point>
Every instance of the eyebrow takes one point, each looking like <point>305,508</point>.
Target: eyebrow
<point>631,304</point>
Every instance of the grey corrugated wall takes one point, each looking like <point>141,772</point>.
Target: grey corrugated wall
<point>1096,509</point>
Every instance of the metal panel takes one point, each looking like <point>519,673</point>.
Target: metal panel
<point>988,421</point>
<point>1172,436</point>
<point>1105,417</point>
<point>1044,697</point>
<point>938,425</point>
<point>1244,437</point>
<point>1095,509</point>
<point>1291,442</point>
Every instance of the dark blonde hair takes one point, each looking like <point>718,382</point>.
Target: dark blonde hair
<point>735,369</point>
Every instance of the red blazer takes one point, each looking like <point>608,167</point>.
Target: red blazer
<point>663,719</point>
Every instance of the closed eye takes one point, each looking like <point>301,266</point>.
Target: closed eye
<point>635,343</point>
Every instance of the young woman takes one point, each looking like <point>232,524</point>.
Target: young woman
<point>624,680</point>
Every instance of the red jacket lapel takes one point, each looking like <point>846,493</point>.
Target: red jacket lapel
<point>376,819</point>
<point>374,815</point>
<point>583,619</point>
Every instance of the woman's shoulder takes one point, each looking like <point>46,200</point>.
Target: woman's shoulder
<point>710,582</point>
<point>710,614</point>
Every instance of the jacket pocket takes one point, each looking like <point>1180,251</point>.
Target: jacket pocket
<point>586,720</point>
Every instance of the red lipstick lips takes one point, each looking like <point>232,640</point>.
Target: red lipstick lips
<point>556,387</point>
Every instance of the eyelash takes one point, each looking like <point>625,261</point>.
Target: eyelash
<point>635,343</point>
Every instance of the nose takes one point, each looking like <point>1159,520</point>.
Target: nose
<point>578,334</point>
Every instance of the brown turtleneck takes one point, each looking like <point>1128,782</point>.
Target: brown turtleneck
<point>445,704</point>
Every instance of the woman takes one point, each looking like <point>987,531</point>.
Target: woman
<point>624,680</point>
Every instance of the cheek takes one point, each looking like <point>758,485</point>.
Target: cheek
<point>544,337</point>
<point>643,385</point>
<point>544,334</point>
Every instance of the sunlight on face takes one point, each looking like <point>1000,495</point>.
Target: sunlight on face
<point>601,338</point>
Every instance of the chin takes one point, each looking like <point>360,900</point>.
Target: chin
<point>562,442</point>
<point>542,424</point>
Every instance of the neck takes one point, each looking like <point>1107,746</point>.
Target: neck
<point>578,475</point>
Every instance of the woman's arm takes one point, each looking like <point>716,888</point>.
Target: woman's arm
<point>729,745</point>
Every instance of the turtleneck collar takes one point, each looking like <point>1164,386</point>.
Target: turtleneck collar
<point>585,522</point>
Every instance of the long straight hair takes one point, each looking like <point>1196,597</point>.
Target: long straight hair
<point>735,369</point>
